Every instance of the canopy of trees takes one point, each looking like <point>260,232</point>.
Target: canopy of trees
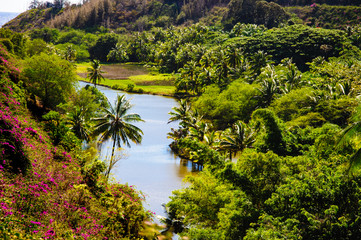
<point>50,78</point>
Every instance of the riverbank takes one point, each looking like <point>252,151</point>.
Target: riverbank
<point>132,78</point>
<point>151,166</point>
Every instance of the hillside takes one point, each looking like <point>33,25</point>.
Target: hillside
<point>49,190</point>
<point>142,15</point>
<point>327,16</point>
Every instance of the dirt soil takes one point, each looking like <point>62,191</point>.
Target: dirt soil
<point>120,71</point>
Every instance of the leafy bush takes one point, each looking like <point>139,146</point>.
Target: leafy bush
<point>298,42</point>
<point>235,103</point>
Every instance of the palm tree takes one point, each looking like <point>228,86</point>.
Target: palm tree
<point>234,56</point>
<point>199,130</point>
<point>116,125</point>
<point>78,124</point>
<point>293,75</point>
<point>95,72</point>
<point>350,132</point>
<point>181,113</point>
<point>188,77</point>
<point>267,90</point>
<point>346,88</point>
<point>258,61</point>
<point>70,53</point>
<point>237,138</point>
<point>118,53</point>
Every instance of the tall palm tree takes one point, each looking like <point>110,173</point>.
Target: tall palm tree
<point>95,72</point>
<point>116,124</point>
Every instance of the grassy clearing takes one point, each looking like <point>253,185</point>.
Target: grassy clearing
<point>132,78</point>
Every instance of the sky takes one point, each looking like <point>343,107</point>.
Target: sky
<point>20,5</point>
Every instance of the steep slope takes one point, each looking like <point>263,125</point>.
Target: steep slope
<point>34,18</point>
<point>48,192</point>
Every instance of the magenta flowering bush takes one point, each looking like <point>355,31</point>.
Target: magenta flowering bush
<point>43,193</point>
<point>7,67</point>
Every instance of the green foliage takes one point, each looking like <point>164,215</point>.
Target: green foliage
<point>117,54</point>
<point>202,210</point>
<point>49,35</point>
<point>73,52</point>
<point>254,12</point>
<point>72,36</point>
<point>53,199</point>
<point>337,111</point>
<point>92,173</point>
<point>15,41</point>
<point>88,100</point>
<point>103,46</point>
<point>293,105</point>
<point>37,46</point>
<point>50,78</point>
<point>249,30</point>
<point>264,195</point>
<point>116,124</point>
<point>289,179</point>
<point>326,16</point>
<point>271,138</point>
<point>234,103</point>
<point>196,151</point>
<point>56,126</point>
<point>299,42</point>
<point>236,138</point>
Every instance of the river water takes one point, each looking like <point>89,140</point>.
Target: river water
<point>151,166</point>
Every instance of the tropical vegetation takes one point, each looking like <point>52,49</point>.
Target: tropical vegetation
<point>269,109</point>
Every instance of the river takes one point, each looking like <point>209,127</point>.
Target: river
<point>150,166</point>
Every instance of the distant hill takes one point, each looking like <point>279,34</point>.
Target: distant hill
<point>6,16</point>
<point>142,15</point>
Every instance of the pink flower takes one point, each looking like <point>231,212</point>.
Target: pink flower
<point>37,223</point>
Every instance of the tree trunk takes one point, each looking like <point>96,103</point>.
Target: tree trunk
<point>111,162</point>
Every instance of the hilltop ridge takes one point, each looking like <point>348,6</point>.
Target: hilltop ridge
<point>142,15</point>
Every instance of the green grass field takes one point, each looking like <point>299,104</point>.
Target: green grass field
<point>132,78</point>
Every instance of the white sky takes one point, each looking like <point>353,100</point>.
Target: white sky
<point>21,5</point>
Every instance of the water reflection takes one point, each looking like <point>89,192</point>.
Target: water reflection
<point>151,166</point>
<point>186,165</point>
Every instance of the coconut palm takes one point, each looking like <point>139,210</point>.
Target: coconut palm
<point>353,130</point>
<point>258,61</point>
<point>118,53</point>
<point>78,123</point>
<point>181,113</point>
<point>346,88</point>
<point>199,130</point>
<point>237,138</point>
<point>267,90</point>
<point>116,124</point>
<point>293,75</point>
<point>95,72</point>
